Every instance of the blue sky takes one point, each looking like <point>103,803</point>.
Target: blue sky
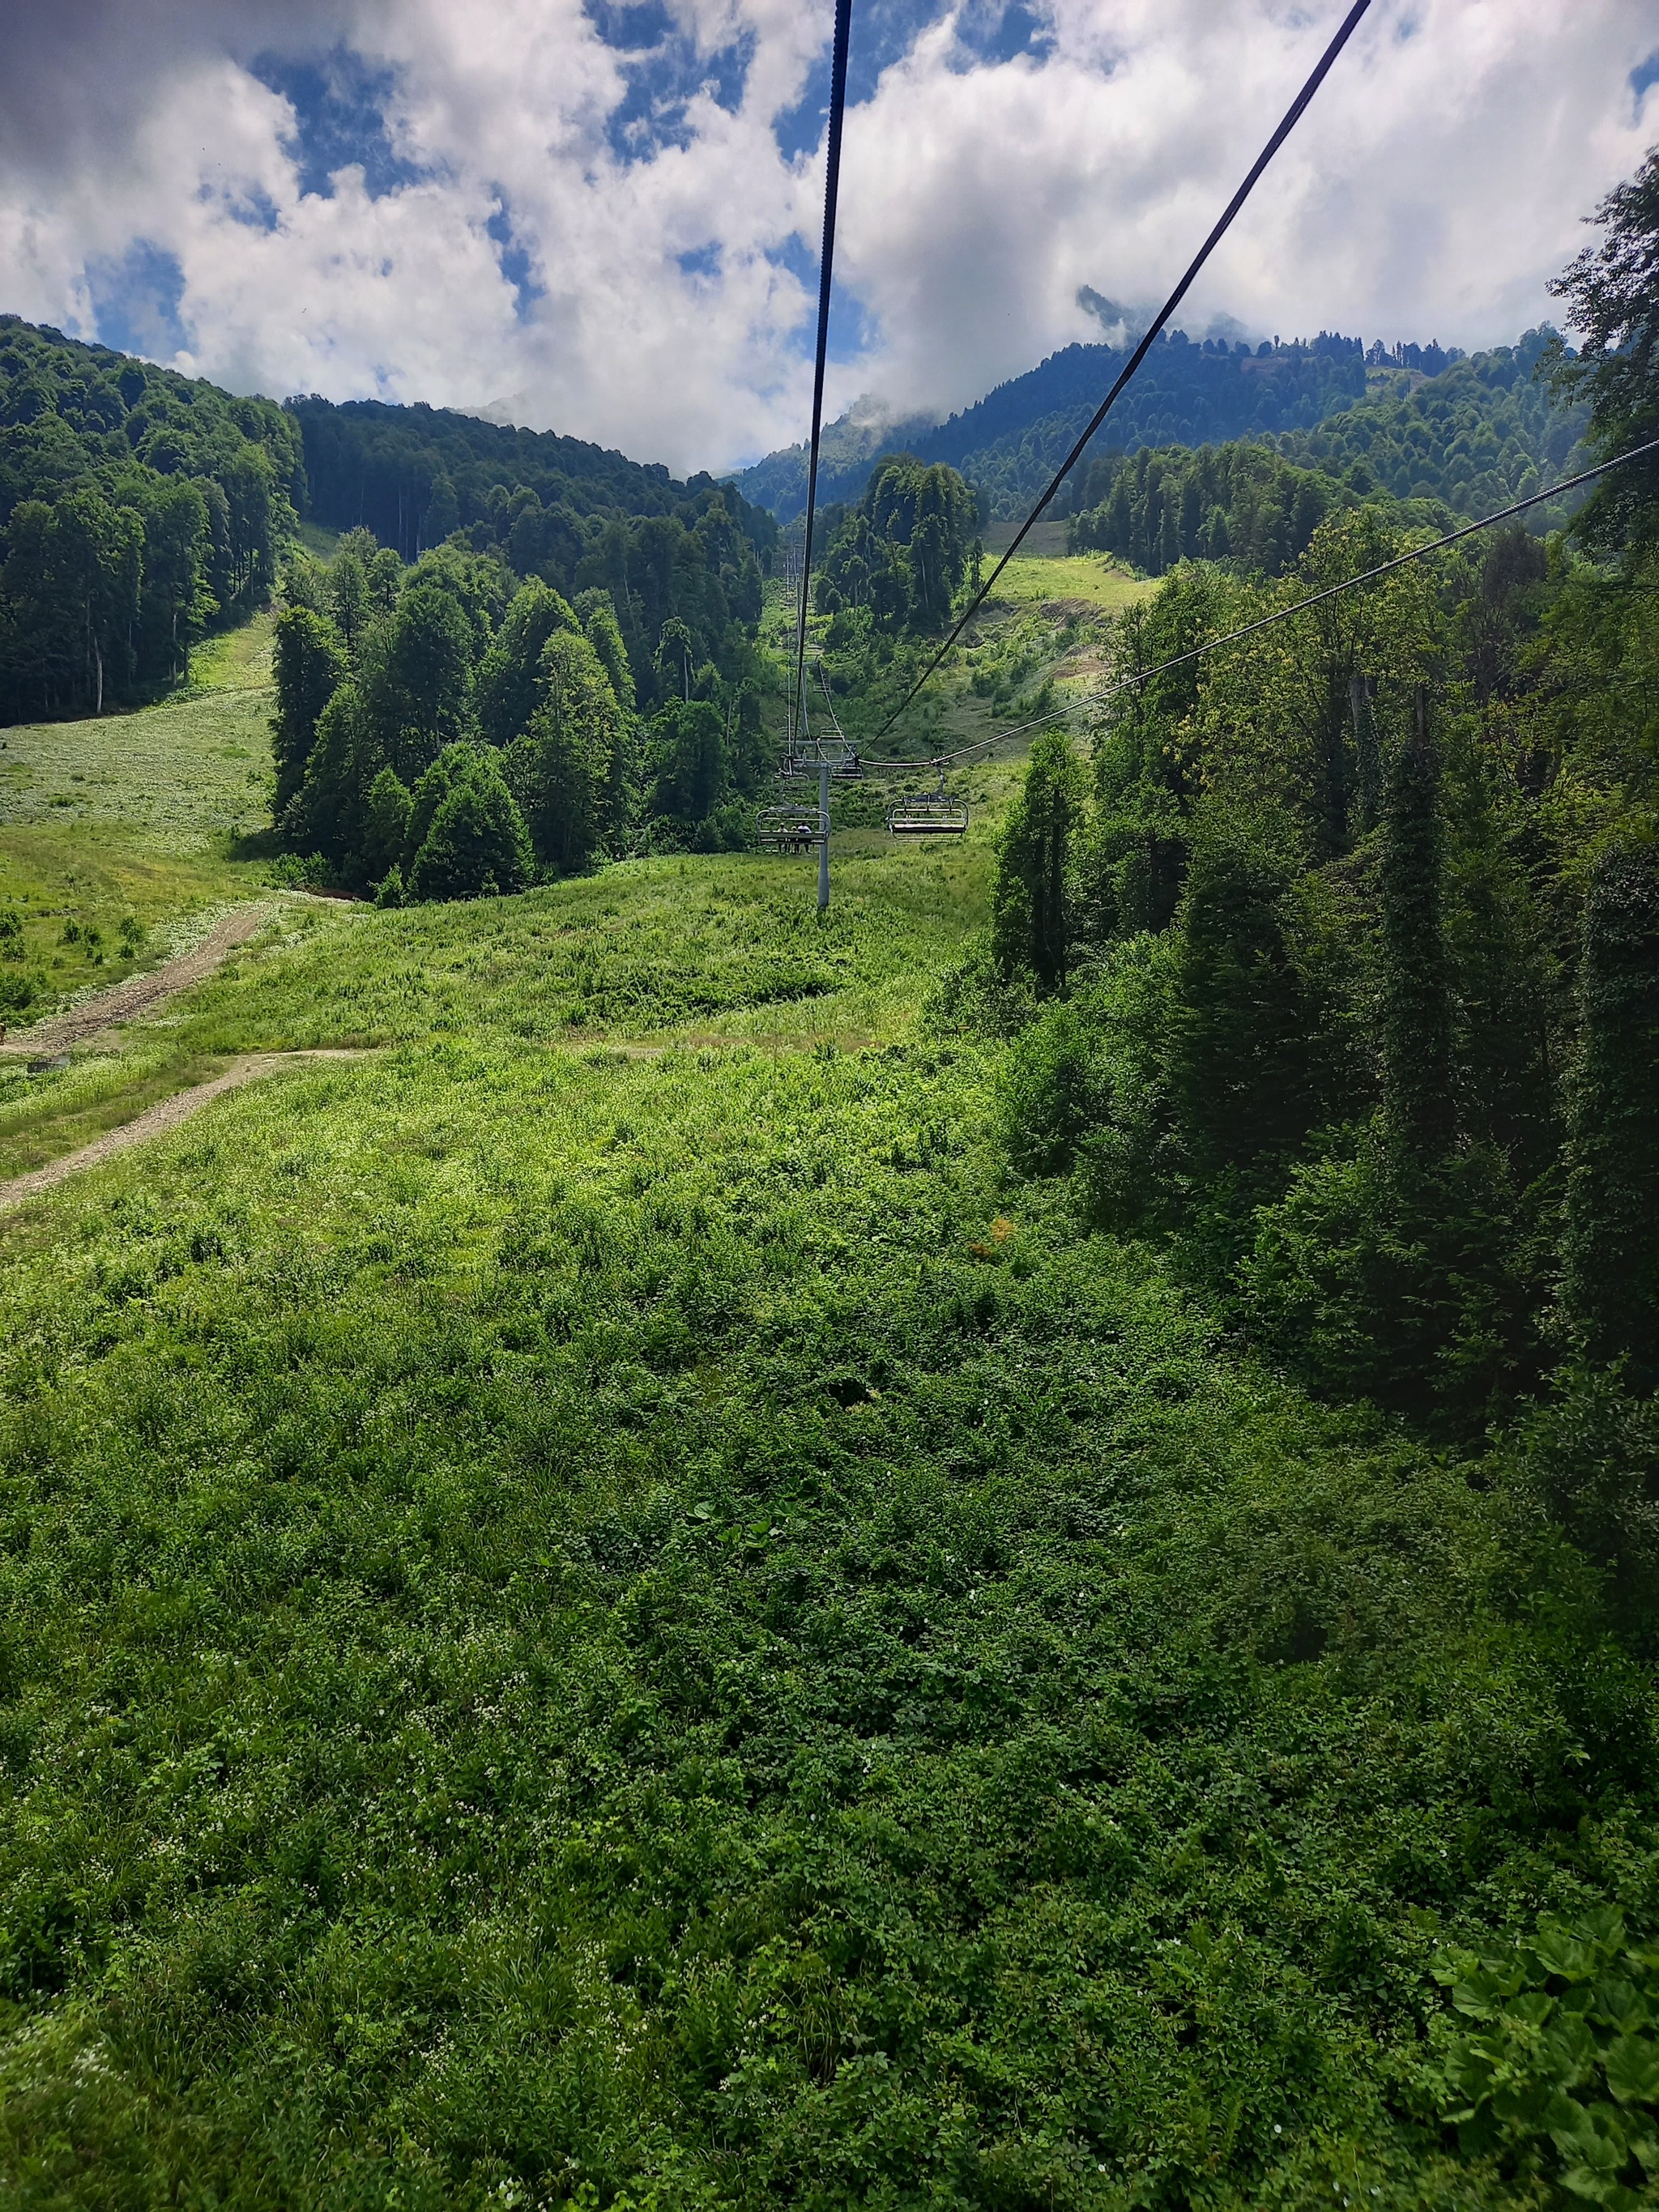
<point>603,217</point>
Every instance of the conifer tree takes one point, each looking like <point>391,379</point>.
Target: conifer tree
<point>1611,1245</point>
<point>1031,899</point>
<point>1245,1036</point>
<point>1416,1010</point>
<point>308,664</point>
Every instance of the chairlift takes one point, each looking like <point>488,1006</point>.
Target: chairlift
<point>928,814</point>
<point>792,828</point>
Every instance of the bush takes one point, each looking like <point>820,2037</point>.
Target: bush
<point>1413,1284</point>
<point>301,872</point>
<point>728,829</point>
<point>478,846</point>
<point>1049,1092</point>
<point>1591,1456</point>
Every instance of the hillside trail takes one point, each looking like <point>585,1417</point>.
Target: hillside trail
<point>166,1114</point>
<point>141,994</point>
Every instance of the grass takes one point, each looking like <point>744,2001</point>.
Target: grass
<point>1090,582</point>
<point>132,817</point>
<point>600,1610</point>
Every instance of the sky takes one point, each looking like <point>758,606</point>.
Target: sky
<point>603,218</point>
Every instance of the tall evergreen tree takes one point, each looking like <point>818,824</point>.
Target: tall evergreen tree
<point>1031,901</point>
<point>1416,997</point>
<point>1611,1245</point>
<point>1244,1039</point>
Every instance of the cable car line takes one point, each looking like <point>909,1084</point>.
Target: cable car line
<point>826,265</point>
<point>1292,116</point>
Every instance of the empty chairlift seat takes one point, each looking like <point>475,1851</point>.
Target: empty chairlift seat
<point>928,814</point>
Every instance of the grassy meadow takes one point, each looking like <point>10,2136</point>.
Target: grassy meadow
<point>597,1609</point>
<point>131,820</point>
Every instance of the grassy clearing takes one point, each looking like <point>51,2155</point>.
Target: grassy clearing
<point>596,1611</point>
<point>131,818</point>
<point>236,659</point>
<point>1090,582</point>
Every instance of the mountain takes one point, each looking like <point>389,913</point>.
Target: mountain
<point>1010,442</point>
<point>1483,433</point>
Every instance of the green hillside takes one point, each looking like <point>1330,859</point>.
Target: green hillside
<point>1465,443</point>
<point>599,1608</point>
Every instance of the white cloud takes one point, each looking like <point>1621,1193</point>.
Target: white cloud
<point>1435,183</point>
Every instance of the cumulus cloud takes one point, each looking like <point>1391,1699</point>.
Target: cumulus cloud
<point>606,216</point>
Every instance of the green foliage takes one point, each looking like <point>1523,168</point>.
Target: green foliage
<point>571,770</point>
<point>136,507</point>
<point>1033,904</point>
<point>308,664</point>
<point>1416,1283</point>
<point>1480,434</point>
<point>629,1615</point>
<point>70,598</point>
<point>686,762</point>
<point>1240,501</point>
<point>507,681</point>
<point>418,687</point>
<point>1615,306</point>
<point>1610,1246</point>
<point>385,825</point>
<point>1011,441</point>
<point>1243,1046</point>
<point>1415,1024</point>
<point>327,814</point>
<point>902,551</point>
<point>475,845</point>
<point>1559,2074</point>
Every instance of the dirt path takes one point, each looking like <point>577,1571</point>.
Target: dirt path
<point>139,994</point>
<point>155,1120</point>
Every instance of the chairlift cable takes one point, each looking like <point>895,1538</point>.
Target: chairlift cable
<point>826,264</point>
<point>1292,116</point>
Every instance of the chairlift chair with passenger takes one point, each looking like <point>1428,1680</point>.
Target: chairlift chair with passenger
<point>794,828</point>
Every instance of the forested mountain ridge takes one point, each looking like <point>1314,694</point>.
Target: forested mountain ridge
<point>1484,433</point>
<point>1008,442</point>
<point>139,508</point>
<point>1422,422</point>
<point>414,474</point>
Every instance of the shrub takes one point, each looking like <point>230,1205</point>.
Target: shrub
<point>1413,1284</point>
<point>1049,1092</point>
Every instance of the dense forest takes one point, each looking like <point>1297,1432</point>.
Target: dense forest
<point>1336,968</point>
<point>448,731</point>
<point>897,558</point>
<point>1484,433</point>
<point>137,507</point>
<point>415,475</point>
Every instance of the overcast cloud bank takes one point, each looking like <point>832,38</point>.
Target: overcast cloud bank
<point>607,216</point>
